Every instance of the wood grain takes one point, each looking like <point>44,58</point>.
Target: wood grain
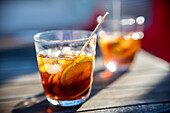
<point>144,88</point>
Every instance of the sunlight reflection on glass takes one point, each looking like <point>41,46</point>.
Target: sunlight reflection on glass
<point>140,20</point>
<point>99,18</point>
<point>26,103</point>
<point>129,21</point>
<point>135,36</point>
<point>124,22</point>
<point>101,33</point>
<point>111,66</point>
<point>127,37</point>
<point>141,34</point>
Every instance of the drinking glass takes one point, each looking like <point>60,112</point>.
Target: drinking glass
<point>119,45</point>
<point>66,76</point>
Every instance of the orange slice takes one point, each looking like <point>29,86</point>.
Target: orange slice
<point>42,68</point>
<point>76,70</point>
<point>126,48</point>
<point>39,60</point>
<point>50,80</point>
<point>76,77</point>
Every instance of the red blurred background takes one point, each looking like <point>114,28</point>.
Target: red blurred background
<point>157,35</point>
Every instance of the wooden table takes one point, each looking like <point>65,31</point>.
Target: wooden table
<point>145,88</point>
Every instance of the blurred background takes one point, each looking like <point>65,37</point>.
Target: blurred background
<point>21,19</point>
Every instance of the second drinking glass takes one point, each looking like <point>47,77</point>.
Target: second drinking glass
<point>119,46</point>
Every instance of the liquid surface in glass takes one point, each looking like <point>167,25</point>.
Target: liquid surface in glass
<point>118,49</point>
<point>67,77</point>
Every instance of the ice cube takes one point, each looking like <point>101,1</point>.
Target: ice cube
<point>50,61</point>
<point>55,53</point>
<point>66,49</point>
<point>52,69</point>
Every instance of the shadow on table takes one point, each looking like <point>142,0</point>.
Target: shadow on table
<point>159,92</point>
<point>102,78</point>
<point>41,105</point>
<point>156,100</point>
<point>38,103</point>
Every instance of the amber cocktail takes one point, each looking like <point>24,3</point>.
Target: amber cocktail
<point>66,76</point>
<point>118,49</point>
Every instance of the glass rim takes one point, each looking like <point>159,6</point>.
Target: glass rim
<point>57,31</point>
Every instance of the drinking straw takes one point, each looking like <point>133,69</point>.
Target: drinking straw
<point>93,32</point>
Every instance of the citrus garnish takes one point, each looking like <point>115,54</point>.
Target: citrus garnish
<point>77,70</point>
<point>118,47</point>
<point>66,76</point>
<point>50,80</point>
<point>40,63</point>
<point>42,68</point>
<point>125,48</point>
<point>40,60</point>
<point>76,78</point>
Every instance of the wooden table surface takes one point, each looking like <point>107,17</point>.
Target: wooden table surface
<point>144,88</point>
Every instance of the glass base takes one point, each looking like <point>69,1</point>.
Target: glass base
<point>66,103</point>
